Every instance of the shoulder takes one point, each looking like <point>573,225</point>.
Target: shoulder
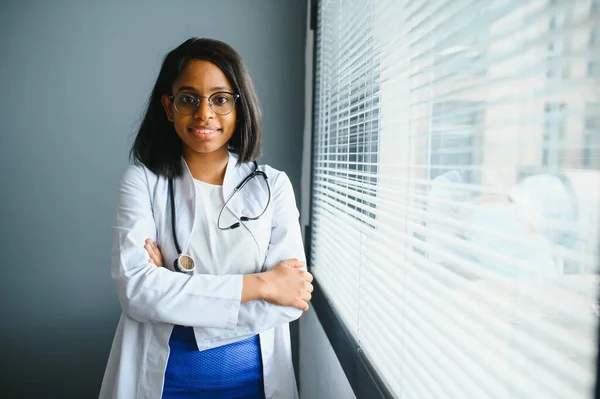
<point>276,176</point>
<point>281,187</point>
<point>137,174</point>
<point>282,194</point>
<point>278,179</point>
<point>279,182</point>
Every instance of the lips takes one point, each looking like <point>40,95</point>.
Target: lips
<point>203,133</point>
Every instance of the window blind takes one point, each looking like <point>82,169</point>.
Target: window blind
<point>456,191</point>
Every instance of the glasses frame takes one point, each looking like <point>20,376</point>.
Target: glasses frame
<point>199,99</point>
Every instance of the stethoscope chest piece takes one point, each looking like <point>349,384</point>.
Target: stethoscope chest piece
<point>184,263</point>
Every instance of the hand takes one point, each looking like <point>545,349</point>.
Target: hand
<point>154,253</point>
<point>287,284</point>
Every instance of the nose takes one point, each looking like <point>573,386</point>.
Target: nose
<point>204,111</point>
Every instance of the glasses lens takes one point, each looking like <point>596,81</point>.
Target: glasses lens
<point>186,104</point>
<point>222,103</point>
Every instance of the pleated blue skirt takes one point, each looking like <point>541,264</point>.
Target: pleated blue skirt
<point>231,371</point>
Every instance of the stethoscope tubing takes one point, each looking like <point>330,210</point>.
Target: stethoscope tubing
<point>184,263</point>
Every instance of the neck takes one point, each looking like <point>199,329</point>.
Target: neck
<point>209,168</point>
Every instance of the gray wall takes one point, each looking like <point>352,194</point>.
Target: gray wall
<point>75,76</point>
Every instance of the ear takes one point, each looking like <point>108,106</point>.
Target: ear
<point>167,106</point>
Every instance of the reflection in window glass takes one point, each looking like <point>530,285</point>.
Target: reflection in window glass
<point>591,144</point>
<point>455,129</point>
<point>594,69</point>
<point>554,134</point>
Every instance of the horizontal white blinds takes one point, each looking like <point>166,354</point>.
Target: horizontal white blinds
<point>456,191</point>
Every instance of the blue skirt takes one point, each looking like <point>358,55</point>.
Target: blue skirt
<point>226,372</point>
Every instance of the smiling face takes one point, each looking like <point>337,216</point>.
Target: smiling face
<point>203,132</point>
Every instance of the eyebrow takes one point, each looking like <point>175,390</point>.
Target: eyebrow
<point>213,89</point>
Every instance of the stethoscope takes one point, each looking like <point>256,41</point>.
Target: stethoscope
<point>184,262</point>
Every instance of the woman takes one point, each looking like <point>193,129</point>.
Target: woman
<point>214,322</point>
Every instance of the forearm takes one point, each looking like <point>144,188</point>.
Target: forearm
<point>153,294</point>
<point>258,316</point>
<point>254,287</point>
<point>254,317</point>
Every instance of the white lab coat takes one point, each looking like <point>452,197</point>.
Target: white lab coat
<point>153,299</point>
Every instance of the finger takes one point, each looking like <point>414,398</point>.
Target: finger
<point>157,257</point>
<point>295,263</point>
<point>156,249</point>
<point>151,261</point>
<point>308,277</point>
<point>302,305</point>
<point>155,260</point>
<point>153,255</point>
<point>148,248</point>
<point>308,287</point>
<point>151,244</point>
<point>306,297</point>
<point>158,253</point>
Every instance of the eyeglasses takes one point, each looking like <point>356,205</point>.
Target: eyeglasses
<point>221,102</point>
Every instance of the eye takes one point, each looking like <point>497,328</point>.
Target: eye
<point>221,99</point>
<point>187,99</point>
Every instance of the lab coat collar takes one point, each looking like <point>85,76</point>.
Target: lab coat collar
<point>233,175</point>
<point>239,205</point>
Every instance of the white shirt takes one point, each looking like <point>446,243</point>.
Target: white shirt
<point>154,299</point>
<point>215,251</point>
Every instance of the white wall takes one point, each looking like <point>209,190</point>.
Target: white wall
<point>321,375</point>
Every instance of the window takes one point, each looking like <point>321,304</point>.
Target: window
<point>594,69</point>
<point>554,133</point>
<point>593,66</point>
<point>455,132</point>
<point>455,215</point>
<point>556,45</point>
<point>591,141</point>
<point>466,52</point>
<point>594,37</point>
<point>349,119</point>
